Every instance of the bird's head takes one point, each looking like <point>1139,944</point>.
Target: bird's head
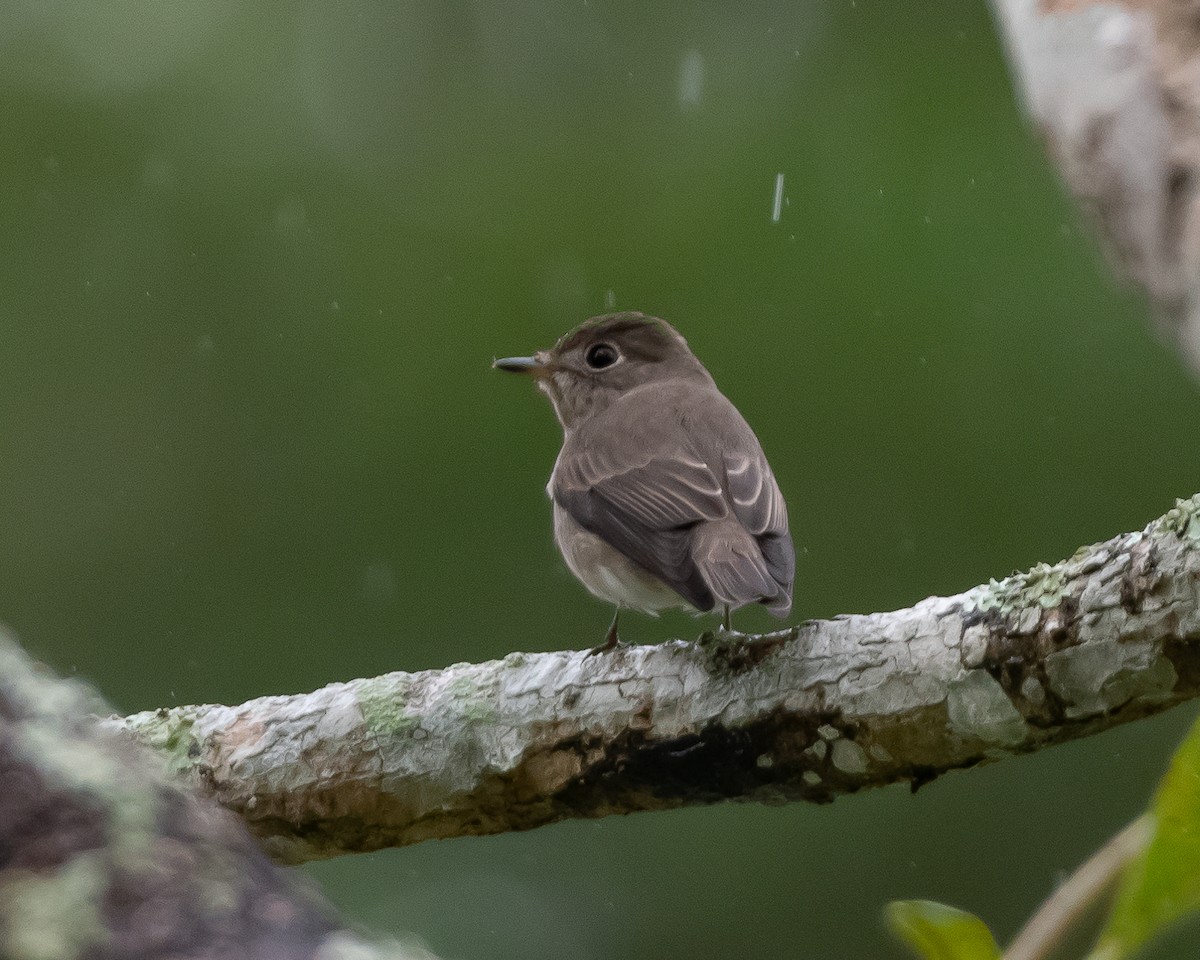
<point>604,358</point>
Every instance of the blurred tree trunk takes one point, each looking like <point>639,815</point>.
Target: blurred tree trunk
<point>1114,89</point>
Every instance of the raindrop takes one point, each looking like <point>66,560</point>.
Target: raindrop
<point>777,203</point>
<point>691,79</point>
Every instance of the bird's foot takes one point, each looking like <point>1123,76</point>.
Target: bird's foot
<point>606,647</point>
<point>721,633</point>
<point>611,642</point>
<point>725,627</point>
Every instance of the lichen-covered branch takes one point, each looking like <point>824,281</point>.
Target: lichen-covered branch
<point>822,709</point>
<point>103,856</point>
<point>1114,88</point>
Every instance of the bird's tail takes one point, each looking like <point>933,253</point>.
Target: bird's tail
<point>731,563</point>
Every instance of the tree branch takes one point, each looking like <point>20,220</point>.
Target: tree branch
<point>1064,909</point>
<point>822,709</point>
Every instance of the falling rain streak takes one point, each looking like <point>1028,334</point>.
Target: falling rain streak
<point>777,203</point>
<point>691,79</point>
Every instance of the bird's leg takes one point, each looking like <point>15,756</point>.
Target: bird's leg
<point>726,623</point>
<point>611,639</point>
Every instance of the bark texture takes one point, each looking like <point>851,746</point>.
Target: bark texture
<point>102,856</point>
<point>809,713</point>
<point>1114,89</point>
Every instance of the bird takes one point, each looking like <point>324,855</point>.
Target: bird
<point>662,495</point>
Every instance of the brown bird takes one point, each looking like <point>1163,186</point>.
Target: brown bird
<point>662,495</point>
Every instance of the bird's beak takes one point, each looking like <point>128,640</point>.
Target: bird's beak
<point>532,365</point>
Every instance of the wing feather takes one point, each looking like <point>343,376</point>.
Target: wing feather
<point>760,508</point>
<point>660,493</point>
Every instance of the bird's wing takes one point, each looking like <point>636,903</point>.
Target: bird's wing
<point>759,507</point>
<point>754,494</point>
<point>646,508</point>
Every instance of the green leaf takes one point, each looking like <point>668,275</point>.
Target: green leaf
<point>938,932</point>
<point>1163,884</point>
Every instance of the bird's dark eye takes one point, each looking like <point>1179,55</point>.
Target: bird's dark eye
<point>601,355</point>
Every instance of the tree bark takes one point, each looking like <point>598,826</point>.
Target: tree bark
<point>822,709</point>
<point>104,857</point>
<point>1114,89</point>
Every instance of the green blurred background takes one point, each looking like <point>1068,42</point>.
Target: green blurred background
<point>257,257</point>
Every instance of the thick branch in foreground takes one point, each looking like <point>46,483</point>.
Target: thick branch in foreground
<point>102,856</point>
<point>822,709</point>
